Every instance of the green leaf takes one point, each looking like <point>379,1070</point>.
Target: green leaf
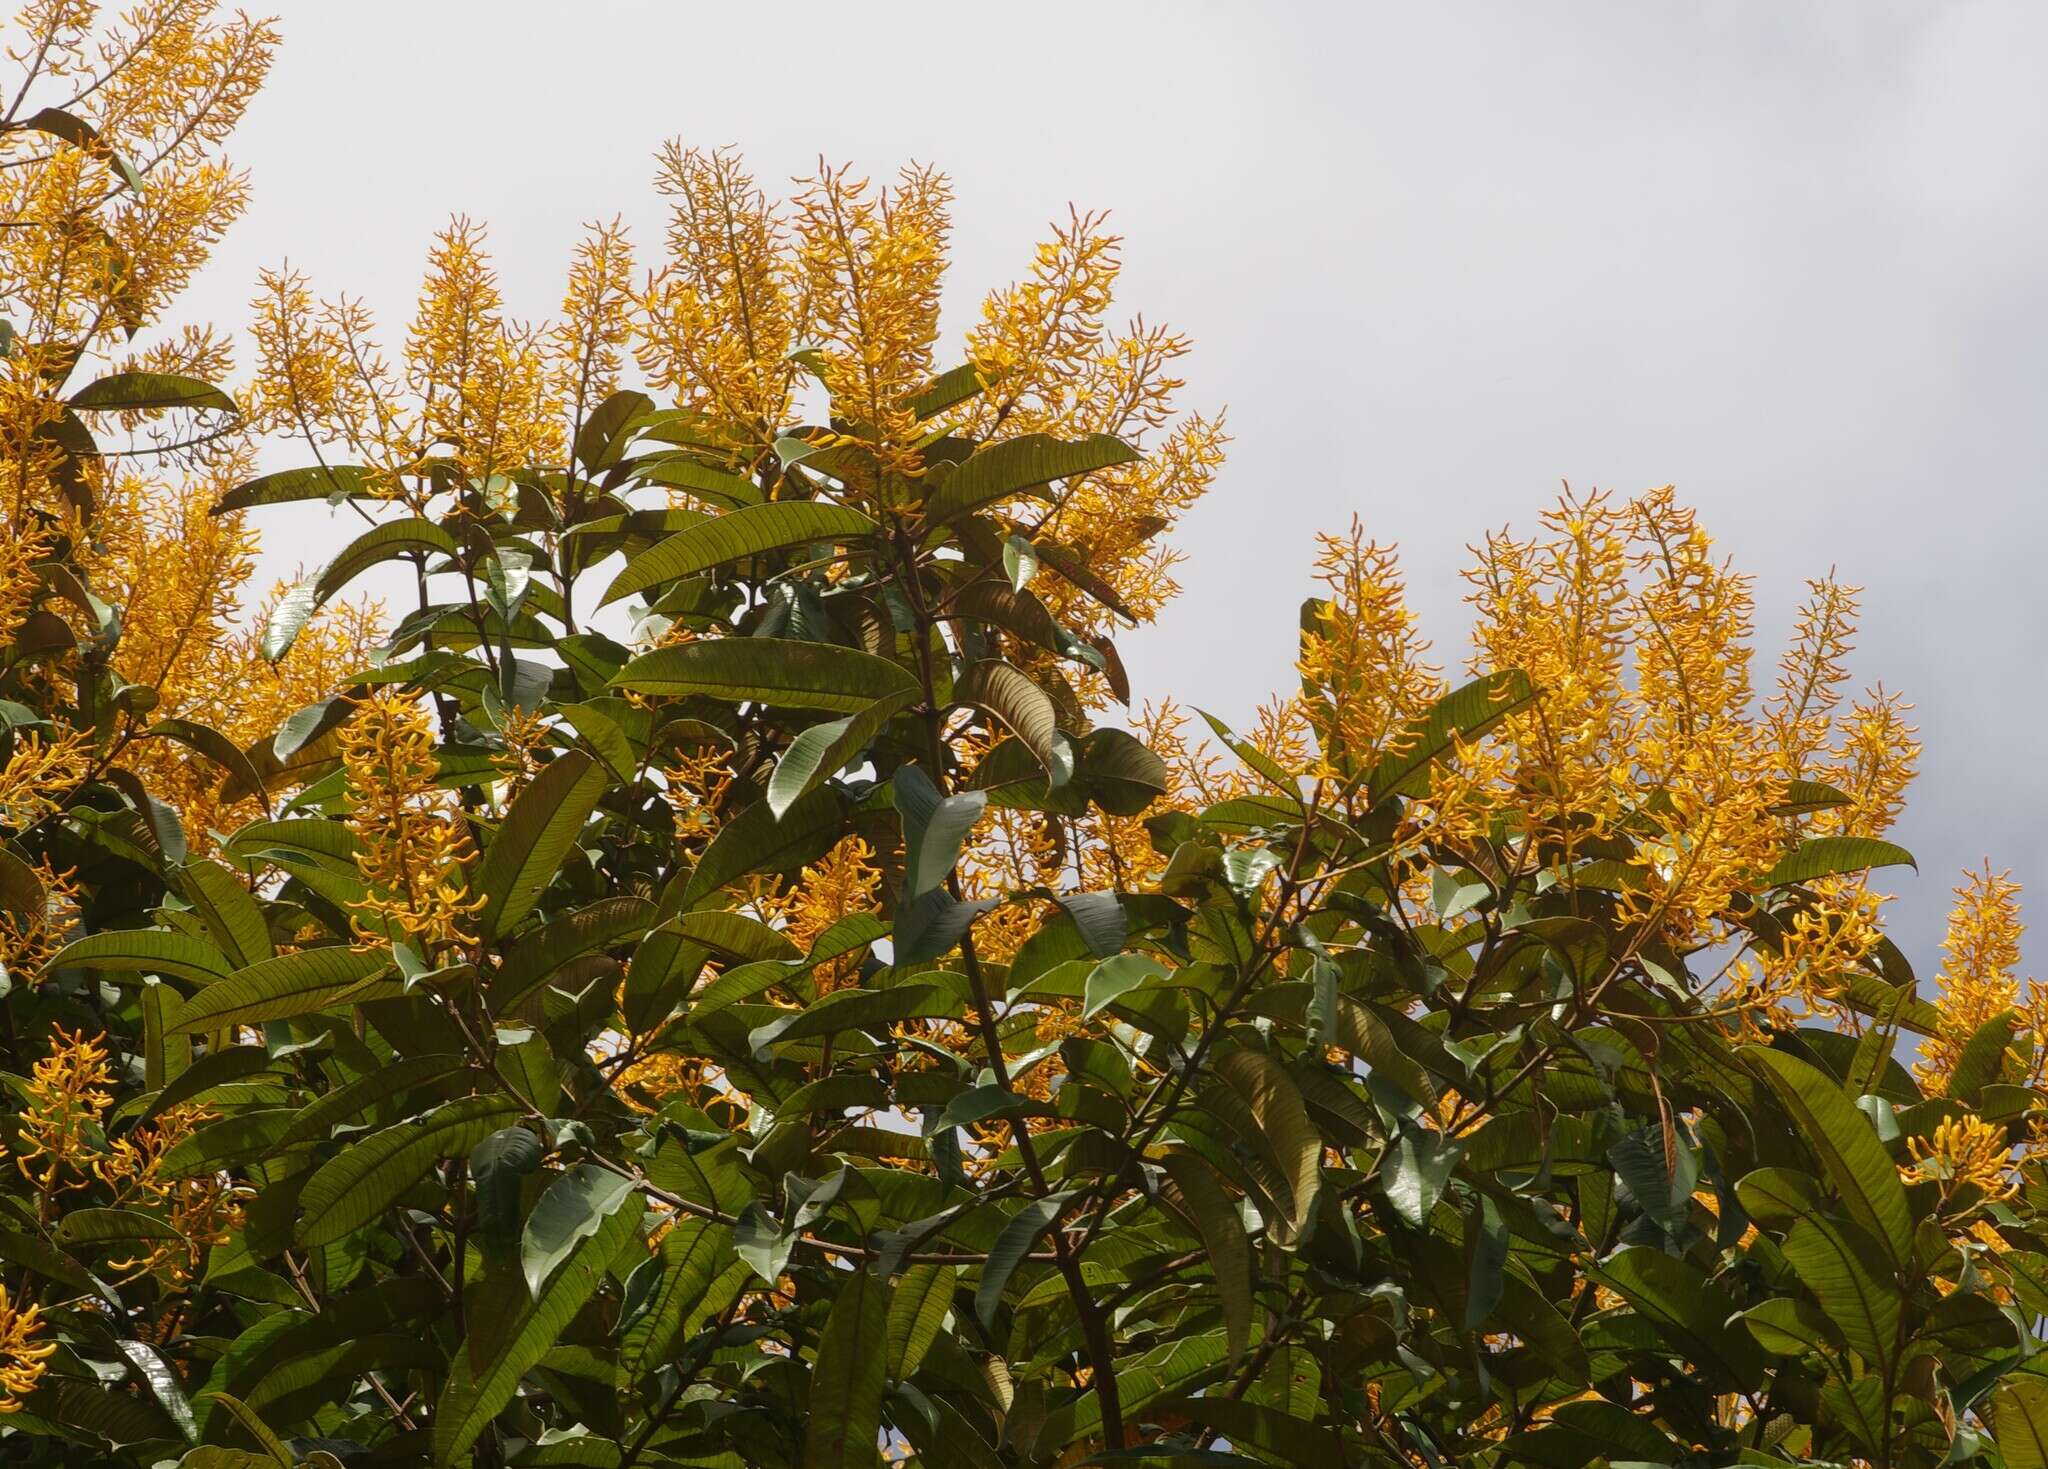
<point>1845,1142</point>
<point>1020,561</point>
<point>2019,1416</point>
<point>1023,465</point>
<point>1983,1059</point>
<point>775,671</point>
<point>380,543</point>
<point>1850,1278</point>
<point>230,914</point>
<point>276,989</point>
<point>318,1117</point>
<point>495,1166</point>
<point>918,1307</point>
<point>1024,708</point>
<point>1464,713</point>
<point>1115,977</point>
<point>755,841</point>
<point>605,434</point>
<point>1285,1134</point>
<point>476,1394</point>
<point>843,1416</point>
<point>1690,1311</point>
<point>141,392</point>
<point>315,482</point>
<point>773,526</point>
<point>934,828</point>
<point>1826,856</point>
<point>215,746</point>
<point>537,834</point>
<point>575,1204</point>
<point>694,1253</point>
<point>825,749</point>
<point>367,1177</point>
<point>257,1429</point>
<point>1216,1219</point>
<point>149,950</point>
<point>98,1226</point>
<point>949,389</point>
<point>1020,1232</point>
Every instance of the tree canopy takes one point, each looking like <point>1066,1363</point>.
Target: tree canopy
<point>726,966</point>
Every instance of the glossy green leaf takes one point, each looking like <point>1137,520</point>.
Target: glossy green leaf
<point>290,984</point>
<point>773,671</point>
<point>1023,465</point>
<point>843,1417</point>
<point>367,1177</point>
<point>754,530</point>
<point>1826,856</point>
<point>1857,1164</point>
<point>536,836</point>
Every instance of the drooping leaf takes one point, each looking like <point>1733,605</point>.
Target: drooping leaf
<point>148,950</point>
<point>1019,1235</point>
<point>1826,856</point>
<point>1027,463</point>
<point>572,1209</point>
<point>1024,708</point>
<point>141,392</point>
<point>823,749</point>
<point>1691,1309</point>
<point>315,482</point>
<point>475,1394</point>
<point>751,531</point>
<point>1857,1164</point>
<point>774,671</point>
<point>365,1178</point>
<point>1222,1230</point>
<point>536,836</point>
<point>843,1420</point>
<point>290,984</point>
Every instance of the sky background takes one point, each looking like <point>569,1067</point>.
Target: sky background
<point>1436,260</point>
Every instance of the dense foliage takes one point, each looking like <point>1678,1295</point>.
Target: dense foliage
<point>720,976</point>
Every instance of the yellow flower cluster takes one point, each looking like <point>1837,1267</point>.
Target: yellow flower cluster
<point>1966,1150</point>
<point>1979,976</point>
<point>22,1357</point>
<point>412,851</point>
<point>64,1147</point>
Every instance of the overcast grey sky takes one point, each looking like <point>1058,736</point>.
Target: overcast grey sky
<point>1436,258</point>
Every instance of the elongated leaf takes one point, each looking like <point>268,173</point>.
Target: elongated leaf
<point>477,1394</point>
<point>137,392</point>
<point>755,841</point>
<point>536,836</point>
<point>378,544</point>
<point>571,1210</point>
<point>1023,707</point>
<point>1464,713</point>
<point>693,1254</point>
<point>231,915</point>
<point>918,1307</point>
<point>496,1165</point>
<point>1285,1133</point>
<point>1116,977</point>
<point>315,482</point>
<point>1850,1278</point>
<point>1021,465</point>
<point>290,984</point>
<point>215,746</point>
<point>1846,1144</point>
<point>1216,1219</point>
<point>98,1226</point>
<point>844,1418</point>
<point>775,671</point>
<point>950,388</point>
<point>773,526</point>
<point>1826,856</point>
<point>149,950</point>
<point>2019,1414</point>
<point>1023,1230</point>
<point>365,1178</point>
<point>824,749</point>
<point>934,828</point>
<point>345,1103</point>
<point>1691,1310</point>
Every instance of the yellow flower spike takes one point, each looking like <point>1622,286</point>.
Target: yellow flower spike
<point>1979,972</point>
<point>22,1358</point>
<point>411,853</point>
<point>1967,1150</point>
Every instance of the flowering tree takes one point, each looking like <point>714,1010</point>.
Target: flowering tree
<point>727,978</point>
